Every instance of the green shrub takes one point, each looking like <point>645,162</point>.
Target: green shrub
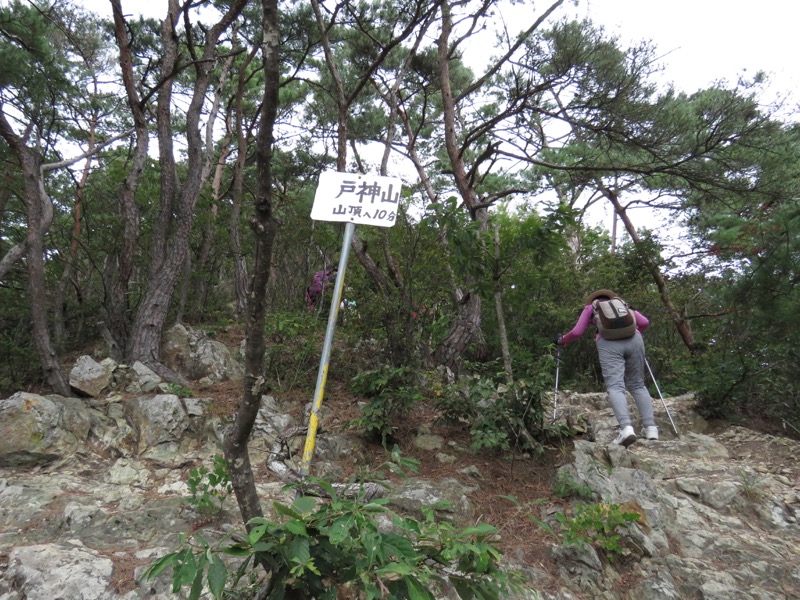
<point>181,391</point>
<point>390,396</point>
<point>210,488</point>
<point>503,416</point>
<point>19,367</point>
<point>292,357</point>
<point>509,416</point>
<point>751,486</point>
<point>318,548</point>
<point>454,404</point>
<point>500,416</point>
<point>596,525</point>
<point>565,486</point>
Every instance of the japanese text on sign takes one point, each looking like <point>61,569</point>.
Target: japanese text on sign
<point>354,198</point>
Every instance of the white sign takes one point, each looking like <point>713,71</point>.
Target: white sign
<point>356,198</point>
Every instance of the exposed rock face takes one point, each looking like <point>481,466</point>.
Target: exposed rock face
<point>35,430</point>
<point>166,424</point>
<point>92,490</point>
<point>719,511</point>
<point>186,351</point>
<point>68,570</point>
<point>88,377</point>
<point>196,356</point>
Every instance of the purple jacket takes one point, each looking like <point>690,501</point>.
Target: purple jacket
<point>642,323</point>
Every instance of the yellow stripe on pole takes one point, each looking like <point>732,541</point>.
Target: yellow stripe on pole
<point>313,425</point>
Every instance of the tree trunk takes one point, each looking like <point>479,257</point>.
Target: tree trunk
<point>240,276</point>
<point>77,215</point>
<point>498,305</point>
<point>178,217</point>
<point>264,228</point>
<point>186,283</point>
<point>145,341</point>
<point>39,210</point>
<point>199,283</point>
<point>116,306</point>
<point>468,318</point>
<point>468,324</point>
<point>681,323</point>
<point>5,190</point>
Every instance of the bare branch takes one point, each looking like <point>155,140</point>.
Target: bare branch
<point>70,161</point>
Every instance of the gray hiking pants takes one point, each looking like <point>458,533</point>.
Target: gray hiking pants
<point>623,367</point>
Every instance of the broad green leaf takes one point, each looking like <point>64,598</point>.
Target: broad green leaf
<point>340,530</point>
<point>262,547</point>
<point>236,550</point>
<point>376,505</point>
<point>185,571</point>
<point>297,527</point>
<point>395,568</point>
<point>483,529</point>
<point>256,533</point>
<point>416,591</point>
<point>217,576</point>
<point>298,550</point>
<point>305,504</point>
<point>400,547</point>
<point>287,511</point>
<point>464,589</point>
<point>325,485</point>
<point>158,566</point>
<point>197,584</point>
<point>407,524</point>
<point>371,541</point>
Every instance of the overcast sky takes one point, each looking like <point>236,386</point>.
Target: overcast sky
<point>701,41</point>
<point>706,40</point>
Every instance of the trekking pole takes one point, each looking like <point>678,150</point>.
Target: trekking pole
<point>675,429</point>
<point>555,393</point>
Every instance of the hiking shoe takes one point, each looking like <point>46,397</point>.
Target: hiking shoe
<point>625,437</point>
<point>650,433</point>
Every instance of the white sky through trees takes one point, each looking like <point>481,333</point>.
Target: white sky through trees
<point>699,42</point>
<point>703,41</point>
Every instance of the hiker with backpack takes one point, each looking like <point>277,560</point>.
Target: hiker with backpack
<point>622,360</point>
<point>319,284</point>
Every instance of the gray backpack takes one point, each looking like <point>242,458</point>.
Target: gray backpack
<point>614,319</point>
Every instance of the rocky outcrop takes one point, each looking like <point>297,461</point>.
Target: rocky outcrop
<point>718,511</point>
<point>186,351</point>
<point>35,430</point>
<point>90,378</point>
<point>93,489</point>
<point>196,356</point>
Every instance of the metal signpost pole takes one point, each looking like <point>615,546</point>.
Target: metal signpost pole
<point>322,375</point>
<point>352,199</point>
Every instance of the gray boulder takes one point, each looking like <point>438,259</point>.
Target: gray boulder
<point>196,356</point>
<point>88,377</point>
<point>61,570</point>
<point>36,430</point>
<point>165,425</point>
<point>448,495</point>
